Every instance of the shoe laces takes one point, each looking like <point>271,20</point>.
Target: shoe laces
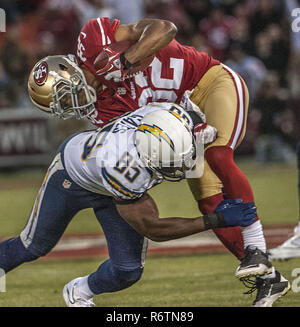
<point>252,283</point>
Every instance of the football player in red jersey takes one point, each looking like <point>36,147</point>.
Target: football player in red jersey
<point>175,71</point>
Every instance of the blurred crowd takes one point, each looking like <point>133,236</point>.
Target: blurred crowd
<point>254,37</point>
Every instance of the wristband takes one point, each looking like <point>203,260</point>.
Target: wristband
<point>125,63</point>
<point>214,220</point>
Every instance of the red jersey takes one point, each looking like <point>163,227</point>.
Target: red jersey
<point>174,69</point>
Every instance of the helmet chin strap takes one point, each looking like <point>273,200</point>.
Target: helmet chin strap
<point>171,178</point>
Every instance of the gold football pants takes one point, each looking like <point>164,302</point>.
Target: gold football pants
<point>223,97</point>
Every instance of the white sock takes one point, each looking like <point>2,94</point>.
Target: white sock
<point>253,235</point>
<point>84,287</point>
<point>272,275</point>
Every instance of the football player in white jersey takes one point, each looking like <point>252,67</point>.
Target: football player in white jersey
<point>110,170</point>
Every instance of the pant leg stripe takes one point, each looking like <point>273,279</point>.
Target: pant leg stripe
<point>240,118</point>
<point>28,233</point>
<point>144,251</point>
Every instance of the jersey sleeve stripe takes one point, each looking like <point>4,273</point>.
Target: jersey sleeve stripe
<point>116,185</point>
<point>102,31</point>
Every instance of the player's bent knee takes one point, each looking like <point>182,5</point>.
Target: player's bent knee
<point>113,277</point>
<point>220,156</point>
<point>13,253</point>
<point>40,246</point>
<point>209,204</point>
<point>39,251</point>
<point>128,277</point>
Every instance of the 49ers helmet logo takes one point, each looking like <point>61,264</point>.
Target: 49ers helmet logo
<point>40,73</point>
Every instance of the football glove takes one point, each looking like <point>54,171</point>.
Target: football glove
<point>117,65</point>
<point>230,213</point>
<point>205,133</point>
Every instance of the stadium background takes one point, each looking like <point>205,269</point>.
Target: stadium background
<point>254,38</point>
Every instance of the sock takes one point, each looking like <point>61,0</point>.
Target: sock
<point>236,185</point>
<point>272,275</point>
<point>253,235</point>
<point>231,237</point>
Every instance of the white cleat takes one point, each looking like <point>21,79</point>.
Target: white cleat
<point>288,250</point>
<point>73,297</point>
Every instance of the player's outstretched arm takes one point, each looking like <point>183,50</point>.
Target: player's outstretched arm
<point>143,216</point>
<point>151,35</point>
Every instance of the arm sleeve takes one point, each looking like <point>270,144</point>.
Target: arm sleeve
<point>94,35</point>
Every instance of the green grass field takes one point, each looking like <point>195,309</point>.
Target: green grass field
<point>168,281</point>
<point>274,187</point>
<point>191,280</point>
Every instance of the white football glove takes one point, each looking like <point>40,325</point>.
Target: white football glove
<point>189,105</point>
<point>205,133</point>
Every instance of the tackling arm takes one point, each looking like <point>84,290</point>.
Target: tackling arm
<point>143,216</point>
<point>148,36</point>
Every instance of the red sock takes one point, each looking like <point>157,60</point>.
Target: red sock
<point>231,237</point>
<point>236,185</point>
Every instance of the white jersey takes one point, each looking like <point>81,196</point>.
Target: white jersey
<point>106,161</point>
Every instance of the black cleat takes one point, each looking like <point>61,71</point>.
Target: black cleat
<point>268,289</point>
<point>254,263</point>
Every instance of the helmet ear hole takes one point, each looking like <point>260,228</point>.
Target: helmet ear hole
<point>63,67</point>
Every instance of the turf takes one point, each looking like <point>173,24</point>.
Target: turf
<point>168,281</point>
<point>203,280</point>
<point>274,187</point>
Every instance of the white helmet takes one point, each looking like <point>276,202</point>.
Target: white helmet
<point>165,142</point>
